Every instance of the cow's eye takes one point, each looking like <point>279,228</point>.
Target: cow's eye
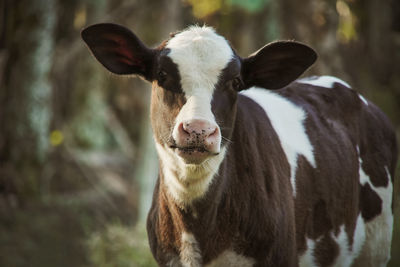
<point>237,83</point>
<point>162,76</point>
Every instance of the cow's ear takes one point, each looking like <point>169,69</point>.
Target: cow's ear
<point>277,64</point>
<point>119,50</point>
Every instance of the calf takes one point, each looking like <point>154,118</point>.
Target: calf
<point>250,175</point>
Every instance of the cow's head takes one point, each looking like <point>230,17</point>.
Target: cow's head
<point>196,77</point>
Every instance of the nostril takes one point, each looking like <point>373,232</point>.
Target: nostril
<point>213,131</point>
<point>212,140</point>
<point>183,128</point>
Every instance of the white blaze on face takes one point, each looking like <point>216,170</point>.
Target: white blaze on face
<point>200,55</point>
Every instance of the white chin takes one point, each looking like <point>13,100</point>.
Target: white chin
<point>193,156</point>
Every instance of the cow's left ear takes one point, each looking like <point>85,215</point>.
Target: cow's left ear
<point>277,64</point>
<point>119,50</point>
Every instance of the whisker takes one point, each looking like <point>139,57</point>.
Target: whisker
<point>226,128</point>
<point>227,140</point>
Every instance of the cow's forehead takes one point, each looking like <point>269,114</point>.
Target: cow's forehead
<point>200,54</point>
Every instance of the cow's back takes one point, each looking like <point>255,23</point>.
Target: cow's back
<point>343,186</point>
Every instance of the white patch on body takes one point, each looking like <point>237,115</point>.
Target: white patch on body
<point>363,99</point>
<point>327,82</point>
<point>187,182</point>
<point>288,122</point>
<point>378,231</point>
<point>323,81</point>
<point>371,240</point>
<point>190,253</point>
<point>359,237</point>
<point>231,259</point>
<point>346,253</point>
<point>307,258</point>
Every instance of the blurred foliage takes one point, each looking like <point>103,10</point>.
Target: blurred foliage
<point>346,30</point>
<point>203,8</point>
<point>56,138</point>
<point>77,165</point>
<point>119,245</point>
<point>249,5</point>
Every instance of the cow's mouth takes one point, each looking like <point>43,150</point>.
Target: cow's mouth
<point>192,154</point>
<point>192,149</point>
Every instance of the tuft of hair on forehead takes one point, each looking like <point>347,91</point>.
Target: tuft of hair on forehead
<point>198,36</point>
<point>195,32</point>
<point>201,54</point>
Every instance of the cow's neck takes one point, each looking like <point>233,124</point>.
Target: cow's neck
<point>187,183</point>
<point>195,212</point>
<point>181,228</point>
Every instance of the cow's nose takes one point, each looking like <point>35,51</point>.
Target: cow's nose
<point>199,127</point>
<point>199,133</point>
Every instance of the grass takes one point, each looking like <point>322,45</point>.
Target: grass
<point>120,246</point>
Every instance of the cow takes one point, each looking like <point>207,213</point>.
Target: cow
<point>257,168</point>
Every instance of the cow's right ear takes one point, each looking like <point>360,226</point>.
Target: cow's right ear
<point>119,50</point>
<point>277,64</point>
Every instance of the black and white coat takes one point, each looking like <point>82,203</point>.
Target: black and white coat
<point>251,175</point>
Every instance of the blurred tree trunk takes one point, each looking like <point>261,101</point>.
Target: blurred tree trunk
<point>355,41</point>
<point>25,93</point>
<point>374,58</point>
<point>314,23</point>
